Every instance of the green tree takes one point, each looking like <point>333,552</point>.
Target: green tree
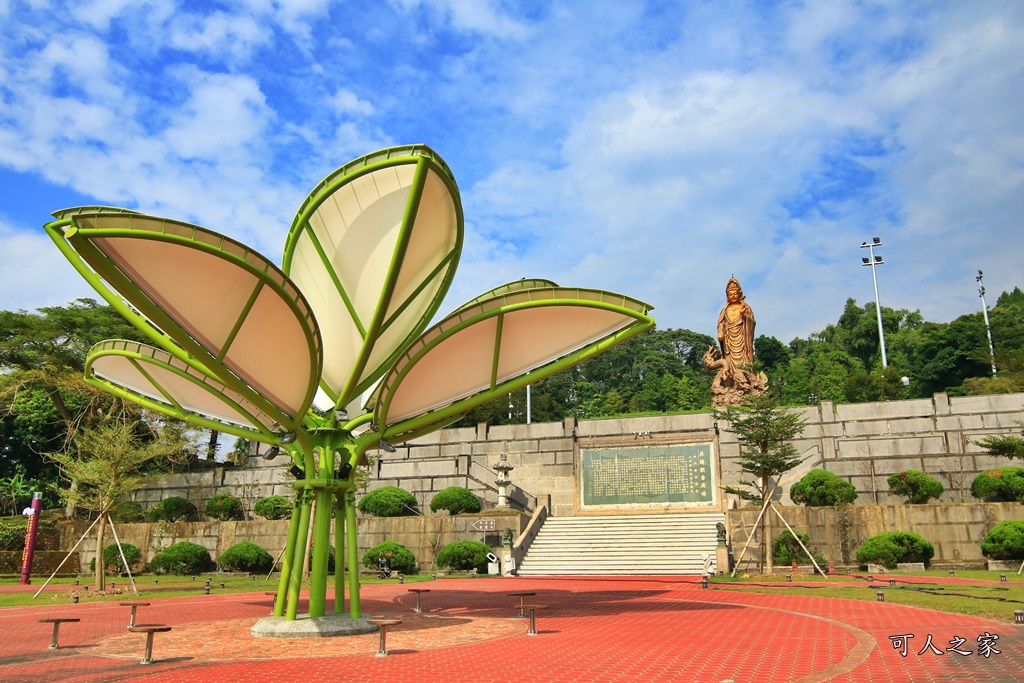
<point>764,431</point>
<point>109,462</point>
<point>917,486</point>
<point>44,352</point>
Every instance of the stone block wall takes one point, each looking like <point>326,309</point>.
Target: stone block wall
<point>955,529</point>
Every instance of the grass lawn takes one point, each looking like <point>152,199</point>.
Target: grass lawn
<point>60,590</point>
<point>997,601</point>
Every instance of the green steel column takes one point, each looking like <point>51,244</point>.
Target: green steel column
<point>339,552</point>
<point>353,555</point>
<point>299,552</point>
<point>289,557</point>
<point>321,546</point>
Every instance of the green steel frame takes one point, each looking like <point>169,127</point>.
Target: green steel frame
<point>325,449</point>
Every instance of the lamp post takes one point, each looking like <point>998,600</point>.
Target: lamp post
<point>873,261</point>
<point>988,329</point>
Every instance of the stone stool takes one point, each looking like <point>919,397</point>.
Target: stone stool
<point>56,621</point>
<point>522,599</point>
<point>149,630</point>
<point>383,624</point>
<point>134,606</point>
<point>417,591</point>
<point>531,609</point>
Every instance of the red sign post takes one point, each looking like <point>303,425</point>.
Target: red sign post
<point>30,539</point>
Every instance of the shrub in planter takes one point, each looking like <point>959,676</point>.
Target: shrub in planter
<point>1005,484</point>
<point>330,559</point>
<point>112,557</point>
<point>182,558</point>
<point>399,557</point>
<point>224,507</point>
<point>786,550</point>
<point>1005,541</point>
<point>273,507</point>
<point>464,555</point>
<point>170,509</point>
<point>918,487</point>
<point>245,557</point>
<point>127,511</point>
<point>455,499</point>
<point>387,501</point>
<point>892,547</point>
<point>819,488</point>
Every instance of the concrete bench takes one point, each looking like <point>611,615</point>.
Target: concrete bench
<point>149,630</point>
<point>134,606</point>
<point>382,651</point>
<point>417,591</point>
<point>532,609</point>
<point>56,621</point>
<point>522,595</point>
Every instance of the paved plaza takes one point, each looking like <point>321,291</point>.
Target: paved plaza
<point>594,629</point>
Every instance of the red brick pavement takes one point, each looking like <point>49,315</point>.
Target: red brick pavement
<point>596,629</point>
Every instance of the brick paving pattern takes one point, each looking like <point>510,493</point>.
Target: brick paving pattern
<point>600,629</point>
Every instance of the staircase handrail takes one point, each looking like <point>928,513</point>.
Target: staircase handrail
<point>540,514</point>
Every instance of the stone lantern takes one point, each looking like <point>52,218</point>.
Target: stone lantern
<point>503,468</point>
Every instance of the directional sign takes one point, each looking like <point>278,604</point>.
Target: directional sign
<point>485,524</point>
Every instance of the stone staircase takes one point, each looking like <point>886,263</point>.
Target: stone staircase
<point>622,544</point>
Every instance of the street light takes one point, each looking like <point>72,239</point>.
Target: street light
<point>875,261</point>
<point>984,310</point>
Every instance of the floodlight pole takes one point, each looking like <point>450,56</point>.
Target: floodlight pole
<point>988,328</point>
<point>876,261</point>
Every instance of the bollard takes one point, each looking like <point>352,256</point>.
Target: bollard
<point>401,579</point>
<point>892,583</point>
<point>881,596</point>
<point>206,590</point>
<point>156,581</point>
<point>951,573</point>
<point>870,577</point>
<point>85,588</point>
<point>789,578</point>
<point>112,584</point>
<point>221,584</point>
<point>704,582</point>
<point>74,599</point>
<point>76,582</point>
<point>1018,616</point>
<point>1002,577</point>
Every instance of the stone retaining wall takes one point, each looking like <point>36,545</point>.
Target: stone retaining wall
<point>955,529</point>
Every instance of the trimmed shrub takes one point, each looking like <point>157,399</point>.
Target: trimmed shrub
<point>455,499</point>
<point>126,512</point>
<point>224,507</point>
<point>170,509</point>
<point>786,550</point>
<point>245,557</point>
<point>182,558</point>
<point>387,501</point>
<point>820,488</point>
<point>1005,541</point>
<point>112,558</point>
<point>273,507</point>
<point>1002,485</point>
<point>464,555</point>
<point>918,487</point>
<point>399,557</point>
<point>892,547</point>
<point>12,536</point>
<point>330,559</point>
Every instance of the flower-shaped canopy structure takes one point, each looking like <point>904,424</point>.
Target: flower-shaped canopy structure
<point>328,355</point>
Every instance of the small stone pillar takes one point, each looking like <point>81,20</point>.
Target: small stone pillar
<point>722,551</point>
<point>503,468</point>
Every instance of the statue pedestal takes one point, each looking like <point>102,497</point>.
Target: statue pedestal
<point>722,559</point>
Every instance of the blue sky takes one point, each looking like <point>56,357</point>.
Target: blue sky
<point>653,149</point>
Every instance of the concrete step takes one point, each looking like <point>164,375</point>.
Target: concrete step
<point>622,545</point>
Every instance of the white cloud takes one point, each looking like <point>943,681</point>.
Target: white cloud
<point>345,101</point>
<point>34,271</point>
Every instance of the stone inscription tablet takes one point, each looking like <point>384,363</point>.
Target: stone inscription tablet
<point>648,474</point>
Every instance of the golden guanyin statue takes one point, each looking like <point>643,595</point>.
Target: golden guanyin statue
<point>735,376</point>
